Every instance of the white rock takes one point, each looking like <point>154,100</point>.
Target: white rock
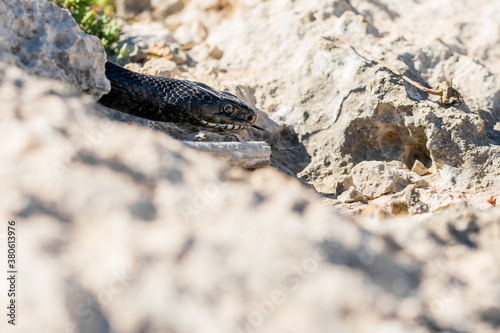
<point>44,40</point>
<point>374,179</point>
<point>351,195</point>
<point>419,168</point>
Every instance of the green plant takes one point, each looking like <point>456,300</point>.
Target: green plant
<point>93,16</point>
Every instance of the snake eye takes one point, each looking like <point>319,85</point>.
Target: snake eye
<point>228,108</point>
<point>250,118</point>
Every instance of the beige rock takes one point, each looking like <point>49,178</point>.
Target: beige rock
<point>351,195</point>
<point>419,168</point>
<point>408,202</point>
<point>216,53</point>
<point>438,201</point>
<point>374,179</point>
<point>373,211</point>
<point>160,67</point>
<point>190,34</point>
<point>45,41</point>
<point>344,183</point>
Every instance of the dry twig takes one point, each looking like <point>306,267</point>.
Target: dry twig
<point>447,92</point>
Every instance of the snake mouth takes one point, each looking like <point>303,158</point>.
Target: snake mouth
<point>223,126</point>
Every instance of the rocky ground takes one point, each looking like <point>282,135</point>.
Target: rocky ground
<point>374,213</point>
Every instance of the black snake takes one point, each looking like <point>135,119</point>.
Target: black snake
<point>172,100</point>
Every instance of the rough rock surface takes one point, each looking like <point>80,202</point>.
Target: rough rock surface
<point>124,229</point>
<point>44,40</point>
<point>351,195</point>
<point>330,109</point>
<point>375,179</point>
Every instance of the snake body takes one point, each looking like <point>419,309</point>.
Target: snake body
<point>173,100</point>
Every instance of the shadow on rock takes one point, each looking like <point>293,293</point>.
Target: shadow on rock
<point>289,155</point>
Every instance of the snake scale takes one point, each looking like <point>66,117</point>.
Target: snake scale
<point>173,100</point>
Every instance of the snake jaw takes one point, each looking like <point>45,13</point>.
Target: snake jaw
<point>223,126</point>
<point>230,115</point>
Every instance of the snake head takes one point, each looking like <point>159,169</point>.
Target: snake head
<point>229,112</point>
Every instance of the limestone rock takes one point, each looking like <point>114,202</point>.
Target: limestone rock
<point>351,195</point>
<point>160,67</point>
<point>215,53</point>
<point>44,40</point>
<point>438,201</point>
<point>190,34</point>
<point>344,183</point>
<point>457,247</point>
<point>152,42</point>
<point>419,168</point>
<point>345,110</point>
<point>408,202</point>
<point>373,179</point>
<point>373,211</point>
